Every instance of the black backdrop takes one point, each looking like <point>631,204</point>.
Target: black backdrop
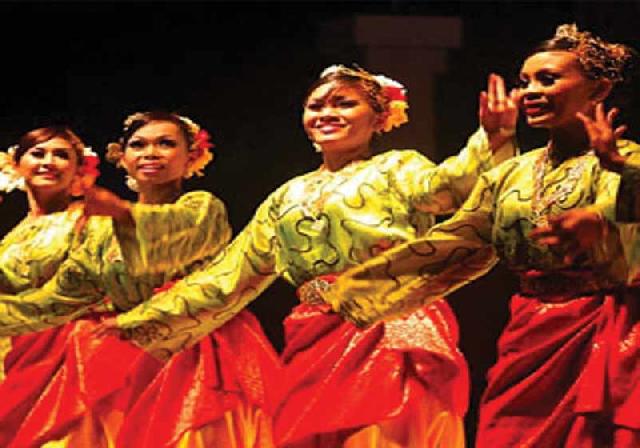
<point>241,70</point>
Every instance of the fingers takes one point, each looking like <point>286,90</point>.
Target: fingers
<point>619,131</point>
<point>496,93</point>
<point>500,89</point>
<point>483,102</point>
<point>611,115</point>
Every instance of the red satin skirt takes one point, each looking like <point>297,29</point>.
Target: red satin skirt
<point>66,387</point>
<point>401,383</point>
<point>567,375</point>
<point>218,393</point>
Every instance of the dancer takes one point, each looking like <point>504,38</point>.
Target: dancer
<point>74,402</point>
<point>52,165</point>
<point>315,226</point>
<point>567,372</point>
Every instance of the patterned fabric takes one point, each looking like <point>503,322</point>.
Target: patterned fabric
<point>411,365</point>
<point>60,382</point>
<point>493,224</point>
<point>95,266</point>
<point>628,204</point>
<point>315,224</point>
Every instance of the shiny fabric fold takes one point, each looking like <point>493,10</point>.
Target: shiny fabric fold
<point>71,385</point>
<point>582,354</point>
<point>218,393</point>
<point>343,382</point>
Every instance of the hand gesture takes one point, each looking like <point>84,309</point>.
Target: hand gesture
<point>602,137</point>
<point>574,231</point>
<point>498,112</point>
<point>99,201</point>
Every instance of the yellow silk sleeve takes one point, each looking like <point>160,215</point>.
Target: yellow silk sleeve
<point>452,254</point>
<point>71,292</point>
<point>166,237</point>
<point>441,189</point>
<point>206,299</point>
<point>628,200</point>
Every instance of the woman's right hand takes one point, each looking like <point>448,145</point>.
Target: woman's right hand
<point>498,112</point>
<point>99,201</point>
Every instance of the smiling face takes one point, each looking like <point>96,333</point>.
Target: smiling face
<point>337,117</point>
<point>49,167</point>
<point>157,154</point>
<point>554,88</point>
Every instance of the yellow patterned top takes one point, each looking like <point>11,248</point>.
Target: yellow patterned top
<point>321,222</point>
<point>93,264</point>
<point>31,253</point>
<point>493,224</point>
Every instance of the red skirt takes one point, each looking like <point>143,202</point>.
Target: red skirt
<point>567,375</point>
<point>66,384</point>
<point>210,388</point>
<point>341,380</point>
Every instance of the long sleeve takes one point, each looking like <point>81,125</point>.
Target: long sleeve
<point>206,299</point>
<point>441,189</point>
<point>68,294</point>
<point>451,255</point>
<point>628,200</point>
<point>168,236</point>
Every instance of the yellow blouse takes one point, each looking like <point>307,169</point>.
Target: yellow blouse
<point>321,222</point>
<point>127,271</point>
<point>494,223</point>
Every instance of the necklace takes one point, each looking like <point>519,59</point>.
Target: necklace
<point>541,206</point>
<point>318,188</point>
<point>315,192</point>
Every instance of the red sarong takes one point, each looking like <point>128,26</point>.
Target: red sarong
<point>340,379</point>
<point>234,367</point>
<point>567,375</point>
<point>58,378</point>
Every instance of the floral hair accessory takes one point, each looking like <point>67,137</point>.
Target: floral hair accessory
<point>398,104</point>
<point>600,59</point>
<point>394,94</point>
<point>199,141</point>
<point>88,172</point>
<point>10,179</point>
<point>202,147</point>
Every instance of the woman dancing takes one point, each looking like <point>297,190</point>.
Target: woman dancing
<point>81,399</point>
<point>356,205</point>
<point>567,372</point>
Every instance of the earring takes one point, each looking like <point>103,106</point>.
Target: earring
<point>132,183</point>
<point>317,147</point>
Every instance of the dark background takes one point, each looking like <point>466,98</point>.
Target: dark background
<point>241,70</point>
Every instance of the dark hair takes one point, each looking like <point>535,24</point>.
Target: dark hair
<point>598,58</point>
<point>41,135</point>
<point>358,78</point>
<point>144,118</point>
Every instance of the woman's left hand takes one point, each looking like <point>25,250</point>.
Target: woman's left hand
<point>603,137</point>
<point>574,231</point>
<point>498,112</point>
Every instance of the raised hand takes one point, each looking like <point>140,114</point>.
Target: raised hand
<point>497,111</point>
<point>99,201</point>
<point>602,137</point>
<point>574,231</point>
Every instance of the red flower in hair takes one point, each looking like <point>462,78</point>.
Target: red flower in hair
<point>202,140</point>
<point>90,166</point>
<point>395,93</point>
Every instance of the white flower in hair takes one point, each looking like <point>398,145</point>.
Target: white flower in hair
<point>385,81</point>
<point>332,69</point>
<point>10,179</point>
